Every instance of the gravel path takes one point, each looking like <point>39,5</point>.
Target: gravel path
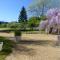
<point>36,52</point>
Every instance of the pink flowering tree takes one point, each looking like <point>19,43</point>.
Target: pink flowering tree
<point>52,24</point>
<point>53,20</point>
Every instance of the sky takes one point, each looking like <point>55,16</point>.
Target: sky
<point>10,9</point>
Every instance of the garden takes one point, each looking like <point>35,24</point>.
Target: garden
<point>35,35</point>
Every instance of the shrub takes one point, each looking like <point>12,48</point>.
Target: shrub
<point>17,33</point>
<point>7,45</point>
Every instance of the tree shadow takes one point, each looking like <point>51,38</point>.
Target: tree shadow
<point>24,50</point>
<point>37,42</point>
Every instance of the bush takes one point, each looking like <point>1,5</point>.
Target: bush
<point>17,33</point>
<point>13,25</point>
<point>7,45</point>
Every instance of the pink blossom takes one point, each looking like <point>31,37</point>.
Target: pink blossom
<point>52,12</point>
<point>53,18</point>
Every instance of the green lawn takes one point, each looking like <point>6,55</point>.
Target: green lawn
<point>4,28</point>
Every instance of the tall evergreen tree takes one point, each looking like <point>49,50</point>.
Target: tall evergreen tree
<point>22,15</point>
<point>23,18</point>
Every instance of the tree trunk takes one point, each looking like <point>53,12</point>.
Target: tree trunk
<point>50,30</point>
<point>58,41</point>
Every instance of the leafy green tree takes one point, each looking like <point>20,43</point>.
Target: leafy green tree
<point>3,25</point>
<point>33,22</point>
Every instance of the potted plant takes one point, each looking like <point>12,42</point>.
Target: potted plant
<point>17,35</point>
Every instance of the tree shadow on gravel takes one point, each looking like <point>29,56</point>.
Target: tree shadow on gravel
<point>24,50</point>
<point>37,42</point>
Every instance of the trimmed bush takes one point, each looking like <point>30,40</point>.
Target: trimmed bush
<point>17,33</point>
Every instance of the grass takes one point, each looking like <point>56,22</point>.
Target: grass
<point>4,28</point>
<point>2,57</point>
<point>23,31</point>
<point>34,32</point>
<point>7,48</point>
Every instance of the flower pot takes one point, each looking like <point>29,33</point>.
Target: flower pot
<point>1,45</point>
<point>18,38</point>
<point>17,35</point>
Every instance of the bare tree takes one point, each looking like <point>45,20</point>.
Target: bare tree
<point>39,7</point>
